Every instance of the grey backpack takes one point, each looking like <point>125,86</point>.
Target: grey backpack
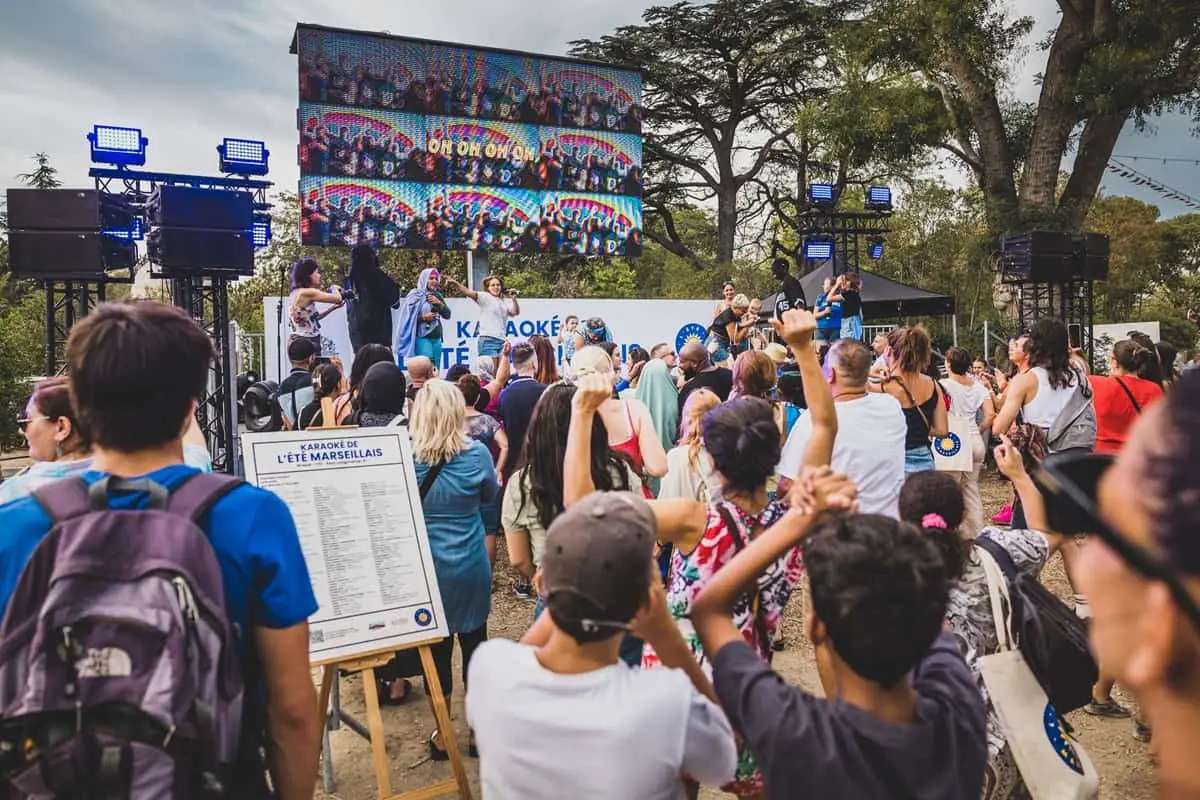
<point>1075,426</point>
<point>119,676</point>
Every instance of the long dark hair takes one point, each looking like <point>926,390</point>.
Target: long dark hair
<point>367,356</point>
<point>546,449</point>
<point>364,262</point>
<point>547,370</point>
<point>1050,349</point>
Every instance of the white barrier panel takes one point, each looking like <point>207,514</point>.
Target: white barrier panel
<point>632,322</point>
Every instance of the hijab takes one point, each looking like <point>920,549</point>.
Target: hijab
<point>657,392</point>
<point>383,394</point>
<point>411,309</point>
<point>485,368</point>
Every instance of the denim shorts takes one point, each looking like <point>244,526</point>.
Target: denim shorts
<point>918,459</point>
<point>828,334</point>
<point>489,346</point>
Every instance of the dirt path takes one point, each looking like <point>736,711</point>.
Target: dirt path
<point>1124,763</point>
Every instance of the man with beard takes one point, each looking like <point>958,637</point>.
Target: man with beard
<point>699,373</point>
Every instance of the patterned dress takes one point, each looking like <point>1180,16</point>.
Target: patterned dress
<point>691,573</point>
<point>969,613</point>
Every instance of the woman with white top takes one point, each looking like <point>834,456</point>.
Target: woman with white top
<point>495,307</point>
<point>1040,394</point>
<point>972,400</point>
<point>690,471</point>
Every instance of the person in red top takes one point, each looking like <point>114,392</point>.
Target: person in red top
<point>1121,396</point>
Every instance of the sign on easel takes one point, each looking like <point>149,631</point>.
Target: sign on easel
<point>353,494</point>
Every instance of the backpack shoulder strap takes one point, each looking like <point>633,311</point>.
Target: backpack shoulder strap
<point>1007,566</point>
<point>196,496</point>
<point>64,499</point>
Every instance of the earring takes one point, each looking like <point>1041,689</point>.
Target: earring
<point>58,451</point>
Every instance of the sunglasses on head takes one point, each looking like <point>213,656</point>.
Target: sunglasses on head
<point>1068,483</point>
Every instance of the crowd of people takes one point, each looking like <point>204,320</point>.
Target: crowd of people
<point>661,511</point>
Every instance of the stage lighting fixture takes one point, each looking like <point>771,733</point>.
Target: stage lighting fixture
<point>123,147</point>
<point>879,198</point>
<point>821,194</point>
<point>243,157</point>
<point>818,249</point>
<point>876,249</point>
<point>260,233</point>
<point>134,233</point>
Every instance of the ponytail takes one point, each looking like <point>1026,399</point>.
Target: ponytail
<point>933,502</point>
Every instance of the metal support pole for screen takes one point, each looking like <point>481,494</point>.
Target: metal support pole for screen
<point>477,269</point>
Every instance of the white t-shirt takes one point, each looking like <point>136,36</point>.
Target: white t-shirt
<point>965,401</point>
<point>869,449</point>
<point>493,315</point>
<point>616,732</point>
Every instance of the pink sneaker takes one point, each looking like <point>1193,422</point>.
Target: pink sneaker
<point>1004,517</point>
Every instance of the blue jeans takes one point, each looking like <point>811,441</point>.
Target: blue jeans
<point>918,459</point>
<point>489,346</point>
<point>852,327</point>
<point>431,349</point>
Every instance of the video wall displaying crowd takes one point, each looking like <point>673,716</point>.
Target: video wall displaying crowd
<point>421,145</point>
<point>376,71</point>
<point>421,216</point>
<point>392,145</point>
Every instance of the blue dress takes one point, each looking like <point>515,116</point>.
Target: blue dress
<point>456,535</point>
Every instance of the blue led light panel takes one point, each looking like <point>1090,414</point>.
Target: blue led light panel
<point>818,250</point>
<point>260,234</point>
<point>879,195</point>
<point>876,251</point>
<point>245,151</point>
<point>820,192</point>
<point>117,140</point>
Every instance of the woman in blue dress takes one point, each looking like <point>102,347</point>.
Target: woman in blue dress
<point>464,479</point>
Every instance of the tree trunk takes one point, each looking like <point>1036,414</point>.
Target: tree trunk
<point>1055,117</point>
<point>1096,145</point>
<point>727,219</point>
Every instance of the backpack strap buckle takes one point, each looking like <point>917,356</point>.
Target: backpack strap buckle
<point>98,492</point>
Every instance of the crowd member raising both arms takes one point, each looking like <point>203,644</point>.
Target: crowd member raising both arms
<point>743,439</point>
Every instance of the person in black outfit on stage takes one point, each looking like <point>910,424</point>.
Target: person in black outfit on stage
<point>369,314</point>
<point>791,293</point>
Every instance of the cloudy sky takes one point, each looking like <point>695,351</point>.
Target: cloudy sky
<point>191,72</point>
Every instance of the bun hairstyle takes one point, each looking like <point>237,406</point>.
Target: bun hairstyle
<point>933,502</point>
<point>1133,358</point>
<point>743,440</point>
<point>912,348</point>
<point>326,380</point>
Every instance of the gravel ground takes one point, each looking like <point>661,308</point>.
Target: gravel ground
<point>1124,763</point>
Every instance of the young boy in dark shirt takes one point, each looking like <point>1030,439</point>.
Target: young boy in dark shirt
<point>902,717</point>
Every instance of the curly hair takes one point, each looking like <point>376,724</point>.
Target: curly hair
<point>936,493</point>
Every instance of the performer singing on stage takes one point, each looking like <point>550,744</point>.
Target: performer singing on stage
<point>495,307</point>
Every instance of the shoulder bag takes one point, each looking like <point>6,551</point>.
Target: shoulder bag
<point>1052,763</point>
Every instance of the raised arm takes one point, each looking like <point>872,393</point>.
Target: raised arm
<point>471,293</point>
<point>797,328</point>
<point>306,296</point>
<point>591,392</point>
<point>1014,401</point>
<point>514,310</point>
<point>1010,462</point>
<point>654,457</point>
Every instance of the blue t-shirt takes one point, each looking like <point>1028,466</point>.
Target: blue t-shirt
<point>251,531</point>
<point>834,318</point>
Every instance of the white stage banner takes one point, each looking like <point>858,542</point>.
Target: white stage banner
<point>632,322</point>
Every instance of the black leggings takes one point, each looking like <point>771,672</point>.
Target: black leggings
<point>443,653</point>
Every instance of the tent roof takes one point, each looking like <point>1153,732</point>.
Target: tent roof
<point>881,297</point>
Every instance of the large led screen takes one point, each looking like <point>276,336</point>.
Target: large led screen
<point>414,144</point>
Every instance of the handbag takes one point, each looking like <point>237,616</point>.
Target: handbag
<point>1052,763</point>
<point>1052,639</point>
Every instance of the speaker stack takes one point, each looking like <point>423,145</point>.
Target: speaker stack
<point>1053,257</point>
<point>69,234</point>
<point>200,231</point>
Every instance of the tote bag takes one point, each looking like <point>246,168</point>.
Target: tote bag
<point>952,452</point>
<point>1053,765</point>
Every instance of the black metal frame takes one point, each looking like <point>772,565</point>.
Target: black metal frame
<point>1073,302</point>
<point>66,302</point>
<point>847,229</point>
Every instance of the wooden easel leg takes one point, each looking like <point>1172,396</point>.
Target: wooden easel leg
<point>441,712</point>
<point>328,683</point>
<point>383,775</point>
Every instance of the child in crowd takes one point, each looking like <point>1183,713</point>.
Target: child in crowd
<point>558,715</point>
<point>903,717</point>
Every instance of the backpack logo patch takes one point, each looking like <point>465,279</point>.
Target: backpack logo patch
<point>1060,740</point>
<point>105,662</point>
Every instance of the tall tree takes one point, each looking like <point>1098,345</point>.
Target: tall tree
<point>43,176</point>
<point>1107,62</point>
<point>722,83</point>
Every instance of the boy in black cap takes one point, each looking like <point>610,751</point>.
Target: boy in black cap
<point>559,715</point>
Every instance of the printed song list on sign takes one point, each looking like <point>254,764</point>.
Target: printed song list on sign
<point>351,494</point>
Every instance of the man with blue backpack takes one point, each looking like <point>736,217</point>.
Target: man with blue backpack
<point>154,640</point>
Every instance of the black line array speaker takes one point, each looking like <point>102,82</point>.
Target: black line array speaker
<point>1053,257</point>
<point>200,231</point>
<point>60,234</point>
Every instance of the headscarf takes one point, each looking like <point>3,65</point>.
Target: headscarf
<point>411,309</point>
<point>383,390</point>
<point>485,368</point>
<point>657,391</point>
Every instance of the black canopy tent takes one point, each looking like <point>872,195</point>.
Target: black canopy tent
<point>882,298</point>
